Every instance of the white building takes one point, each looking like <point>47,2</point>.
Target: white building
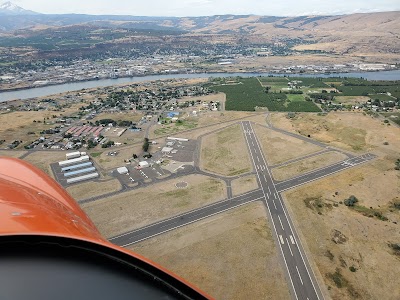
<point>122,170</point>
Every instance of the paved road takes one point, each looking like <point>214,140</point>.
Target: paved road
<point>323,172</point>
<point>303,282</point>
<point>149,231</point>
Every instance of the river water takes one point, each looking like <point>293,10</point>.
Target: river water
<point>76,86</point>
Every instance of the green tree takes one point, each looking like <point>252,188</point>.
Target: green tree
<point>146,145</point>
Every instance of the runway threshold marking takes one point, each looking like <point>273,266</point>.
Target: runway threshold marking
<point>299,275</point>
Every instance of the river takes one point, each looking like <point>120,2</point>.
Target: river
<point>76,86</point>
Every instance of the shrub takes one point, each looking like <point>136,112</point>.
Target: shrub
<point>351,201</point>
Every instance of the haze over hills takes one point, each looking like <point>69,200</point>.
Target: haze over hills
<point>361,33</point>
<point>363,37</point>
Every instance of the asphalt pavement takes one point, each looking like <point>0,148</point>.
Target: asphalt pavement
<point>299,273</point>
<point>192,216</point>
<point>323,172</point>
<point>301,278</point>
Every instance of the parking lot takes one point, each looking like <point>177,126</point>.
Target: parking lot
<point>141,175</point>
<point>182,151</point>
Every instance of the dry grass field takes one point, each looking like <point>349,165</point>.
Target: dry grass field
<point>352,246</point>
<point>12,153</point>
<point>278,147</point>
<point>350,131</point>
<point>93,188</point>
<point>20,125</point>
<point>221,97</point>
<point>206,118</point>
<point>244,184</point>
<point>351,100</point>
<point>230,256</point>
<point>134,209</point>
<point>42,160</point>
<point>216,117</point>
<point>121,116</point>
<point>225,152</point>
<point>296,168</point>
<point>111,162</point>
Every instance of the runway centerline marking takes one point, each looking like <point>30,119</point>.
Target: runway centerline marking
<point>274,204</point>
<point>280,221</point>
<point>290,249</point>
<point>299,275</point>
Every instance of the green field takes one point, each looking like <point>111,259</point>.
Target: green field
<point>295,97</point>
<point>249,94</point>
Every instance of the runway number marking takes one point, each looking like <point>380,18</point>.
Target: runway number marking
<point>281,238</point>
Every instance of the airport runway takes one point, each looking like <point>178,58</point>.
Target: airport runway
<point>299,272</point>
<point>149,231</point>
<point>301,278</point>
<point>323,172</point>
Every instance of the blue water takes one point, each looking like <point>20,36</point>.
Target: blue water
<point>76,86</point>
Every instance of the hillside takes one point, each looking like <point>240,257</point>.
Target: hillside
<point>356,34</point>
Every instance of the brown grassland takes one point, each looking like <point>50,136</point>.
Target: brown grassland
<point>225,152</point>
<point>229,256</point>
<point>140,207</point>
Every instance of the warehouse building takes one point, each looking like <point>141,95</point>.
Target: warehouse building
<point>78,172</point>
<point>122,170</point>
<point>82,178</point>
<point>73,161</point>
<point>79,166</point>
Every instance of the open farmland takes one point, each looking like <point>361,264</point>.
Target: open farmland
<point>247,94</point>
<point>230,256</point>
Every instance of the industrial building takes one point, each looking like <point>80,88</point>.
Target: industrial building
<point>81,171</point>
<point>177,139</point>
<point>122,170</point>
<point>144,164</point>
<point>74,167</point>
<point>72,155</point>
<point>166,150</point>
<point>73,161</point>
<point>82,178</point>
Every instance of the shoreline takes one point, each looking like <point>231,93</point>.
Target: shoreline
<point>15,89</point>
<point>26,93</point>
